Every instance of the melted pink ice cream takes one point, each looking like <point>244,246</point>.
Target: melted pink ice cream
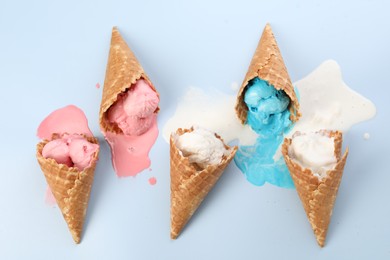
<point>133,112</point>
<point>69,119</point>
<point>71,150</point>
<point>130,153</point>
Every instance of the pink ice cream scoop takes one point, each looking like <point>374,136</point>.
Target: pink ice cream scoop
<point>58,150</point>
<point>134,110</point>
<point>81,151</point>
<point>141,101</point>
<point>72,150</point>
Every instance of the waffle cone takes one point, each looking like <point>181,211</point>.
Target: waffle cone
<point>123,70</point>
<point>267,63</point>
<point>189,186</point>
<point>70,187</point>
<point>317,196</point>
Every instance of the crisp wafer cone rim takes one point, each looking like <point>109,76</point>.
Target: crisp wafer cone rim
<point>337,153</point>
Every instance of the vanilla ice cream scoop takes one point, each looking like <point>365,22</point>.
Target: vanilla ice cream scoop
<point>71,150</point>
<point>135,109</point>
<point>314,151</point>
<point>201,147</point>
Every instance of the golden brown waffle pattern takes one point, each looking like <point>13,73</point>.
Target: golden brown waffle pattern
<point>123,70</point>
<point>71,188</point>
<point>317,196</point>
<point>267,63</point>
<point>189,186</point>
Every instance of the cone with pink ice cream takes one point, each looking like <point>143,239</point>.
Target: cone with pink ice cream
<point>128,110</point>
<point>123,74</point>
<point>267,64</point>
<point>68,163</point>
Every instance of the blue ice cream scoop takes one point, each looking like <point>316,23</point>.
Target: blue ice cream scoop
<point>268,113</point>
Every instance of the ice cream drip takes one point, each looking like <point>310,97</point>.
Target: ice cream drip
<point>269,117</point>
<point>135,114</point>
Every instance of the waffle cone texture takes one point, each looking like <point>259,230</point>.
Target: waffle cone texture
<point>189,185</point>
<point>318,196</point>
<point>71,188</point>
<point>267,64</point>
<point>122,72</point>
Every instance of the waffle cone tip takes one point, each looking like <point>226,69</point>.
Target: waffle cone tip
<point>76,236</point>
<point>173,235</point>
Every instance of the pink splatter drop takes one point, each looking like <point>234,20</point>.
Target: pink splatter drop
<point>152,181</point>
<point>97,85</point>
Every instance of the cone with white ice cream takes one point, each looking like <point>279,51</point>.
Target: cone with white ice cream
<point>122,72</point>
<point>70,186</point>
<point>194,171</point>
<point>267,64</point>
<point>317,180</point>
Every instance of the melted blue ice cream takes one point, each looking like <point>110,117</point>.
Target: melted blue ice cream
<point>269,116</point>
<point>268,113</point>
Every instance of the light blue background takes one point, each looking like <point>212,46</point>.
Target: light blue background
<point>52,54</point>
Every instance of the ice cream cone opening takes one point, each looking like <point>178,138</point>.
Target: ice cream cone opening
<point>70,150</point>
<point>245,108</point>
<point>316,151</point>
<point>268,108</point>
<point>134,110</point>
<point>201,147</point>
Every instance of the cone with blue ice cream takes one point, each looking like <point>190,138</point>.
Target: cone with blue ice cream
<point>267,64</point>
<point>317,195</point>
